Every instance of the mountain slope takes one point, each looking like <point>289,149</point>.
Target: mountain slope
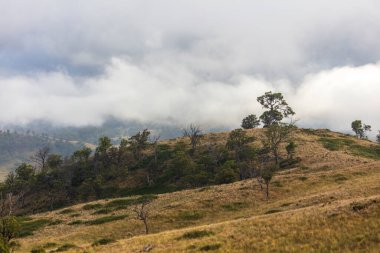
<point>328,203</point>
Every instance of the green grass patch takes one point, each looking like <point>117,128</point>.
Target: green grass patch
<point>49,245</point>
<point>210,247</point>
<point>103,241</point>
<point>65,247</point>
<point>76,222</point>
<point>119,204</point>
<point>190,215</point>
<point>273,211</point>
<point>106,219</point>
<point>334,144</point>
<point>339,178</point>
<point>38,249</point>
<point>102,211</point>
<point>234,206</point>
<point>302,178</point>
<point>92,206</point>
<point>195,234</point>
<point>27,228</point>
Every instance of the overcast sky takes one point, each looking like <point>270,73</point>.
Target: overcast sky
<point>203,61</point>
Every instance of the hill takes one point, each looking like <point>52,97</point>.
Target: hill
<point>328,202</point>
<point>17,147</point>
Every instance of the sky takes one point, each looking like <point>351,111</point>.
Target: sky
<point>77,63</point>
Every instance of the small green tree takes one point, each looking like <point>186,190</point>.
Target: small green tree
<point>291,149</point>
<point>9,228</point>
<point>359,128</point>
<point>277,108</point>
<point>249,122</point>
<point>138,143</point>
<point>267,175</point>
<point>275,135</point>
<point>237,141</point>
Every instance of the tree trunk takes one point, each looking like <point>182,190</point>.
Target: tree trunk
<point>146,226</point>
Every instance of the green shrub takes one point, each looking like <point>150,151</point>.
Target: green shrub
<point>195,234</point>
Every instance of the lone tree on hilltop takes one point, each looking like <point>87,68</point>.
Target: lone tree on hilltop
<point>360,128</point>
<point>249,122</point>
<point>277,108</point>
<point>194,133</point>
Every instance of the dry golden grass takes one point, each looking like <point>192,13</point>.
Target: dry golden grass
<point>331,203</point>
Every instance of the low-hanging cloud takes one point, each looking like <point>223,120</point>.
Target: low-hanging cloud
<point>178,61</point>
<point>174,94</point>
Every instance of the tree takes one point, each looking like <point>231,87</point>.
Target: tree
<point>275,135</point>
<point>378,138</point>
<point>237,141</point>
<point>249,122</point>
<point>142,211</point>
<point>291,149</point>
<point>359,128</point>
<point>40,157</point>
<point>267,175</point>
<point>138,143</point>
<point>9,228</point>
<point>194,132</point>
<point>277,107</point>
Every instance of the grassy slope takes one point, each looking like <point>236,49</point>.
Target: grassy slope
<point>330,203</point>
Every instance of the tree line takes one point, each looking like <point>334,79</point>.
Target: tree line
<point>51,181</point>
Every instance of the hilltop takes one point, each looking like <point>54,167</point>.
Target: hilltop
<point>328,201</point>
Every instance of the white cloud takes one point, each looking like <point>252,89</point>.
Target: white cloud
<point>175,95</point>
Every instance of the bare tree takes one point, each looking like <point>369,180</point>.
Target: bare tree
<point>40,157</point>
<point>194,133</point>
<point>142,214</point>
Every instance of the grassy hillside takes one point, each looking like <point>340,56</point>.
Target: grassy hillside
<point>330,202</point>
